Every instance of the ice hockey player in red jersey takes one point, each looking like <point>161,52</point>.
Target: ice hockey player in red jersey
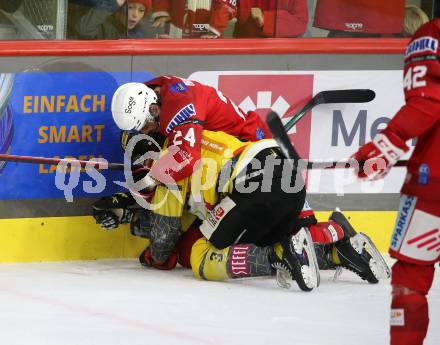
<point>415,242</point>
<point>184,108</point>
<point>137,107</point>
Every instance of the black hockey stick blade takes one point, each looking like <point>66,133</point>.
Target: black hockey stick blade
<point>280,135</point>
<point>347,96</point>
<point>332,96</point>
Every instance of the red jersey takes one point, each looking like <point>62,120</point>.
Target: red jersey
<point>420,117</point>
<point>196,17</point>
<point>188,107</point>
<point>367,16</point>
<point>282,18</point>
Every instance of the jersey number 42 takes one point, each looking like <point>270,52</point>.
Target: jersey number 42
<point>414,77</point>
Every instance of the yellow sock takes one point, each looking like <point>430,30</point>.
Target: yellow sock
<point>335,257</point>
<point>278,250</point>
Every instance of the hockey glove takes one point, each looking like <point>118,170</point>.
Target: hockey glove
<point>147,260</point>
<point>377,157</point>
<point>111,211</point>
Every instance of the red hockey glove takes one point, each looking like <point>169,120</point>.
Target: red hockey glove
<point>378,156</point>
<point>147,260</point>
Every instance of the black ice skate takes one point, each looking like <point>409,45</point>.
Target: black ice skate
<point>357,253</point>
<point>298,262</point>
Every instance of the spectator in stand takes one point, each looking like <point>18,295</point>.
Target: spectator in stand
<point>113,19</point>
<point>360,18</point>
<point>414,18</point>
<point>10,6</point>
<point>273,18</point>
<point>193,18</point>
<point>311,11</point>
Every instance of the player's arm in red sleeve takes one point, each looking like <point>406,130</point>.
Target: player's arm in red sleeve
<point>286,22</point>
<point>416,117</point>
<point>185,146</point>
<point>222,11</point>
<point>181,120</point>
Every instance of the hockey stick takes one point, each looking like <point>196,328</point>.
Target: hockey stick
<point>280,135</point>
<point>344,164</point>
<point>56,161</point>
<point>323,97</point>
<point>332,96</point>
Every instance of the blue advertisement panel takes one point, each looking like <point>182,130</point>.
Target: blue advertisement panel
<point>58,114</point>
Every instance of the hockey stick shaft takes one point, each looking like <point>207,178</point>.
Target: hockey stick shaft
<point>344,164</point>
<point>56,161</point>
<point>332,96</point>
<point>323,97</point>
<point>280,135</point>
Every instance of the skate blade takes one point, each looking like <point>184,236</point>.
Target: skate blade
<point>377,263</point>
<point>337,274</point>
<point>283,278</point>
<point>302,242</point>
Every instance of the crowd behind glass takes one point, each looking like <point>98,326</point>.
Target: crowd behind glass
<point>211,19</point>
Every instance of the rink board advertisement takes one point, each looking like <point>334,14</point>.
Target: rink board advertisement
<point>67,114</point>
<point>328,132</point>
<point>59,115</point>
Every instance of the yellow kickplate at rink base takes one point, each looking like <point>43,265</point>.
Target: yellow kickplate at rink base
<point>79,238</point>
<point>378,225</point>
<point>64,238</point>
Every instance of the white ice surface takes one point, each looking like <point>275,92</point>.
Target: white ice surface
<point>118,302</point>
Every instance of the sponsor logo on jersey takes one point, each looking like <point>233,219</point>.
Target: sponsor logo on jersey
<point>219,213</point>
<point>397,317</point>
<point>179,87</point>
<point>259,134</point>
<point>238,261</point>
<point>429,240</point>
<point>354,26</point>
<point>218,257</point>
<point>406,209</point>
<point>422,44</point>
<point>423,174</point>
<point>198,27</point>
<point>182,115</point>
<point>215,216</point>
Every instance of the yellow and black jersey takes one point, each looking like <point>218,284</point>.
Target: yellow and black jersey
<point>223,157</point>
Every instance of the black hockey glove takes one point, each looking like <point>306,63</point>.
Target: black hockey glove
<point>110,211</point>
<point>107,219</point>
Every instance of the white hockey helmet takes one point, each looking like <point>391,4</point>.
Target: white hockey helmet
<point>131,106</point>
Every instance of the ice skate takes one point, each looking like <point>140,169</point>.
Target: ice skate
<point>298,262</point>
<point>358,253</point>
